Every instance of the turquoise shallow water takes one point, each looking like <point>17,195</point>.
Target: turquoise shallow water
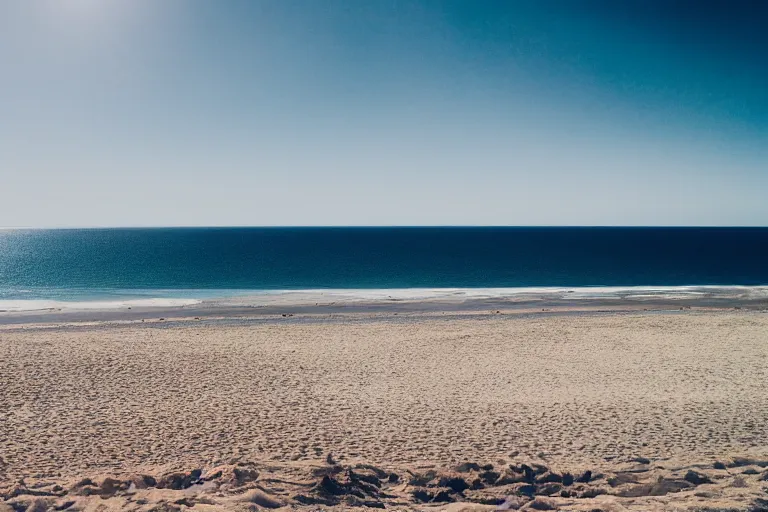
<point>105,264</point>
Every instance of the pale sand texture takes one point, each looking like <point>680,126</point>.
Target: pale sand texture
<point>573,391</point>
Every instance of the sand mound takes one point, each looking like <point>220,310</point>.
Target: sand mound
<point>516,486</point>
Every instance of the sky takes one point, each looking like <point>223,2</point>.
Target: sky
<point>383,112</point>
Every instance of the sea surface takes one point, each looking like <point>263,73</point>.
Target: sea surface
<point>177,266</point>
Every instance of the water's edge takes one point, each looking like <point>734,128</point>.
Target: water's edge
<point>321,303</point>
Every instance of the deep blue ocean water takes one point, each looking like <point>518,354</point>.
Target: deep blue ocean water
<point>62,264</point>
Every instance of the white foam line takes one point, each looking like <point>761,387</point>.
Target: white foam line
<point>336,296</point>
<point>45,305</point>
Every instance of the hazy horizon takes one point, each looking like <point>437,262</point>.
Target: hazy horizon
<point>123,113</point>
<point>385,226</point>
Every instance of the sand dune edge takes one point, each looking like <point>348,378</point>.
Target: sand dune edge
<point>739,483</point>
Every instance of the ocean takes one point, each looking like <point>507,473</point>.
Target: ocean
<point>181,265</point>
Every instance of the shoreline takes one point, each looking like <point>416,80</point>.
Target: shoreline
<point>393,302</point>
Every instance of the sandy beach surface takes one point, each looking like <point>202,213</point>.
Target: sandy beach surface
<point>471,411</point>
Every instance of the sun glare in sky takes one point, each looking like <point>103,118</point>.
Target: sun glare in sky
<point>90,15</point>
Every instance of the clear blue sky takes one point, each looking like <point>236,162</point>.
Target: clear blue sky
<point>383,112</point>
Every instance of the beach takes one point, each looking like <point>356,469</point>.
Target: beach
<point>634,397</point>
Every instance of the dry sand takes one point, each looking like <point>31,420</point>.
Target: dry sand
<point>293,403</point>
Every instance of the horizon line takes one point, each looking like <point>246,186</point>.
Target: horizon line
<point>390,226</point>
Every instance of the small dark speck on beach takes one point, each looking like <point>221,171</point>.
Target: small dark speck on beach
<point>162,319</point>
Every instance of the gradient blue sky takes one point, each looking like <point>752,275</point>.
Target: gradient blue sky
<point>396,112</point>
